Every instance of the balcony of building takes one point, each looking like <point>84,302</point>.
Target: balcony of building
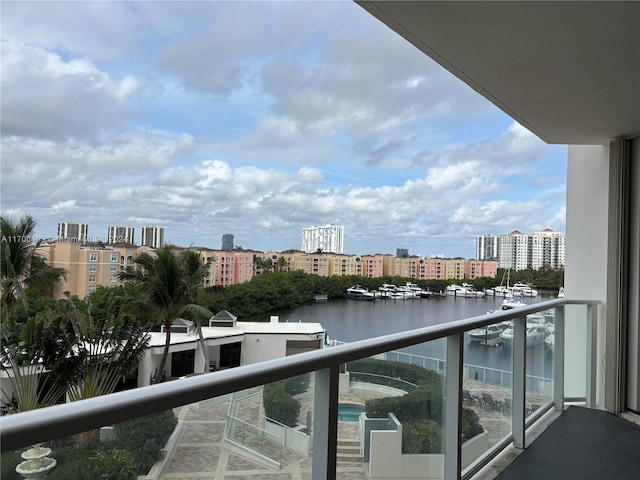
<point>569,72</point>
<point>223,430</point>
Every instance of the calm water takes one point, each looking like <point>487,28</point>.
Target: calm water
<point>351,320</point>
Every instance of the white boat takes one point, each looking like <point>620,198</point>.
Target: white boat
<point>509,303</point>
<point>407,293</point>
<point>520,289</point>
<point>464,290</point>
<point>482,334</point>
<point>398,295</point>
<point>387,287</point>
<point>416,289</point>
<point>474,291</point>
<point>536,335</point>
<point>501,290</point>
<point>357,292</point>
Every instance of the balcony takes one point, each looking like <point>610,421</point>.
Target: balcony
<point>221,413</point>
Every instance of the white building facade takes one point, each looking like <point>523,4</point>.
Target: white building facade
<point>327,238</point>
<point>120,233</point>
<point>72,231</point>
<point>152,236</point>
<point>486,247</point>
<point>519,251</point>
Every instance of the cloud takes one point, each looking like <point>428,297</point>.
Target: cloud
<point>209,118</point>
<point>45,96</point>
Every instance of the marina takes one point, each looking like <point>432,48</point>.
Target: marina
<point>349,321</point>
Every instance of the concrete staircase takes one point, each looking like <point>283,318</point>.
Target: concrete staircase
<point>348,451</point>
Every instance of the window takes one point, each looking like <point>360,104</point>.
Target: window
<point>114,268</point>
<point>92,289</point>
<point>113,279</point>
<point>92,268</point>
<point>114,257</point>
<point>93,257</point>
<point>92,278</point>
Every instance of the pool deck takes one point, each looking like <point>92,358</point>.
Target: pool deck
<point>201,453</point>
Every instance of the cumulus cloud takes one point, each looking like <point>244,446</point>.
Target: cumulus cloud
<point>209,118</point>
<point>47,97</point>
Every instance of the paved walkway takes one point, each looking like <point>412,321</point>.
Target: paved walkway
<point>201,454</point>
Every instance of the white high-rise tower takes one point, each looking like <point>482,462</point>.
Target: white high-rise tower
<point>327,238</point>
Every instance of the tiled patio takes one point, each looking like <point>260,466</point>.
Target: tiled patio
<point>201,454</point>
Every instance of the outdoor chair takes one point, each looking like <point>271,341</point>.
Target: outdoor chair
<point>488,401</point>
<point>467,397</point>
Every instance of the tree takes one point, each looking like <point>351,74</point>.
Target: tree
<point>167,286</point>
<point>196,272</point>
<point>20,264</point>
<point>39,359</point>
<point>110,342</point>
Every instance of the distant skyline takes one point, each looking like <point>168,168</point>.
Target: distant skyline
<point>209,118</point>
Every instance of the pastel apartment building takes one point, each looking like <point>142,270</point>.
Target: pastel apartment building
<point>87,265</point>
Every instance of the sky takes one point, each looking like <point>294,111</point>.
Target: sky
<point>257,119</point>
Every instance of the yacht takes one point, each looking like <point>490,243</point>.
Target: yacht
<point>489,332</point>
<point>509,303</point>
<point>536,335</point>
<point>357,292</point>
<point>523,290</point>
<point>464,290</point>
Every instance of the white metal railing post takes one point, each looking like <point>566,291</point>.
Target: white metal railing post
<point>592,360</point>
<point>519,380</point>
<point>325,421</point>
<point>558,359</point>
<point>453,407</point>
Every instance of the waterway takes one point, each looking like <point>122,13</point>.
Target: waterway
<point>352,320</point>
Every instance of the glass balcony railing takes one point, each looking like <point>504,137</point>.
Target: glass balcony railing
<point>422,397</point>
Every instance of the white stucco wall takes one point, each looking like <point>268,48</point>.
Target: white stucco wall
<point>388,461</point>
<point>587,255</point>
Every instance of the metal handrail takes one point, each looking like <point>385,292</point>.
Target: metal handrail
<point>27,428</point>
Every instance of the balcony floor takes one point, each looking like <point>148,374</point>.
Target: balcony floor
<point>580,444</point>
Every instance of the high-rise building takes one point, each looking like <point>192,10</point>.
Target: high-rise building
<point>227,242</point>
<point>548,249</point>
<point>327,238</point>
<point>72,231</point>
<point>120,233</point>
<point>402,252</point>
<point>520,251</point>
<point>152,236</point>
<point>486,247</point>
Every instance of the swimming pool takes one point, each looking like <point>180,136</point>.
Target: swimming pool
<point>349,412</point>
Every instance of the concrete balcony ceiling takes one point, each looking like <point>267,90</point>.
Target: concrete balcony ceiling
<point>567,71</point>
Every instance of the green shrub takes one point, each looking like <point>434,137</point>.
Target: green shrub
<point>423,404</point>
<point>422,437</point>
<point>113,464</point>
<point>8,463</point>
<point>72,463</point>
<point>421,411</point>
<point>145,437</point>
<point>296,385</point>
<point>470,424</point>
<point>406,371</point>
<point>280,405</point>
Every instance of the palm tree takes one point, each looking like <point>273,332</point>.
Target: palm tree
<point>110,341</point>
<point>196,272</point>
<point>20,264</point>
<point>38,358</point>
<point>167,286</point>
